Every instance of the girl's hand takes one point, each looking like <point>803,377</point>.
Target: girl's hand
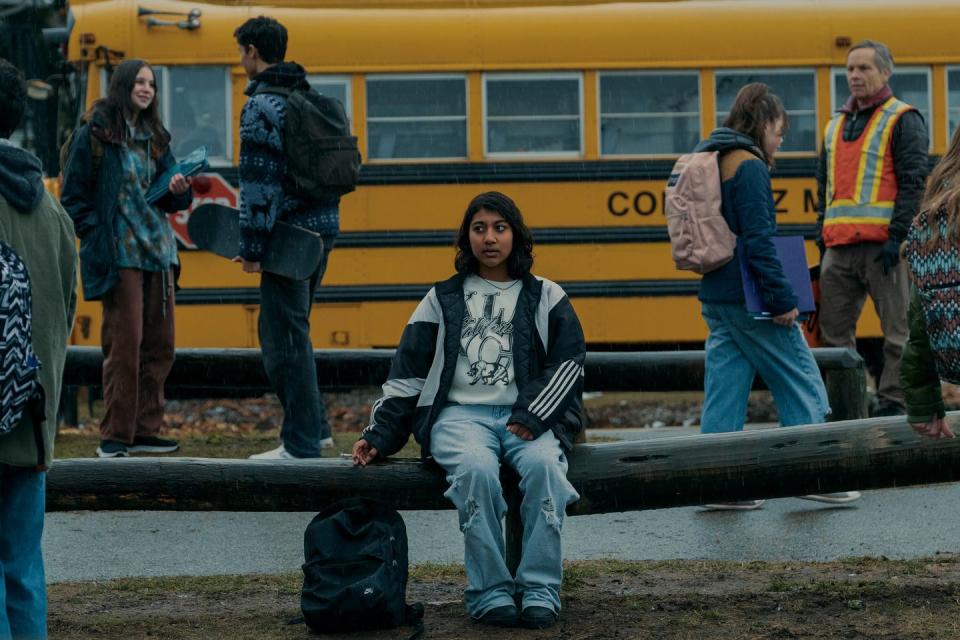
<point>786,319</point>
<point>363,453</point>
<point>936,428</point>
<point>520,431</point>
<point>178,184</point>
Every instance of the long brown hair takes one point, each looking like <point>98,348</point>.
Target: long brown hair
<point>943,191</point>
<point>753,109</point>
<point>118,106</point>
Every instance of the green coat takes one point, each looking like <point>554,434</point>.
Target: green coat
<point>44,240</point>
<point>918,371</point>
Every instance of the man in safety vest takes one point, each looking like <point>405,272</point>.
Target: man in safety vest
<point>871,175</point>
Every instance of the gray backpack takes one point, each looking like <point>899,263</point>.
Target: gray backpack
<point>322,157</point>
<point>20,389</point>
<point>700,238</point>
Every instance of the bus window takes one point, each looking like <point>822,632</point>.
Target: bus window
<point>533,114</point>
<point>334,86</point>
<point>421,116</point>
<point>910,84</point>
<point>196,109</point>
<point>649,113</point>
<point>953,98</point>
<point>797,88</point>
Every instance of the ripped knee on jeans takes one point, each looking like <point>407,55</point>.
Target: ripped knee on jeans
<point>471,509</point>
<point>549,512</point>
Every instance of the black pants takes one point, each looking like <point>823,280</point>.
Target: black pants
<point>284,328</point>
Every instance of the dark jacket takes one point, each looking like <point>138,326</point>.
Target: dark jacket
<point>747,206</point>
<point>918,370</point>
<point>549,351</point>
<point>90,196</point>
<point>34,224</point>
<point>263,167</point>
<point>910,145</point>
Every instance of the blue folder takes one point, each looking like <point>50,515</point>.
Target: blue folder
<point>793,257</point>
<point>192,164</point>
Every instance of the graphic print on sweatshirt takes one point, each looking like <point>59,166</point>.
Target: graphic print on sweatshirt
<point>485,363</point>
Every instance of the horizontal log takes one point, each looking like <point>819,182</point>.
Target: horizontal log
<point>239,372</point>
<point>351,368</point>
<point>670,472</point>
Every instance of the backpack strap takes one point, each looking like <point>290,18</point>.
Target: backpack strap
<point>267,88</point>
<point>730,162</point>
<point>96,151</point>
<point>37,412</point>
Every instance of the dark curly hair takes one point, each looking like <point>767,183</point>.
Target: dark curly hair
<point>520,261</point>
<point>267,35</point>
<point>13,97</point>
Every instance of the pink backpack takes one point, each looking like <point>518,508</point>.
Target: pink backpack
<point>700,239</point>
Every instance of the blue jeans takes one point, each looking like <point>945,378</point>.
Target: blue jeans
<point>23,591</point>
<point>284,328</point>
<point>738,348</point>
<point>469,442</point>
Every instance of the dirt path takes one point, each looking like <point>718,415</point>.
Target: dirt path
<point>686,600</point>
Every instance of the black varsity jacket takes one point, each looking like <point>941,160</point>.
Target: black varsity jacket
<point>549,351</point>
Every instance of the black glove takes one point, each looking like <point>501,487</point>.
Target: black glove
<point>889,255</point>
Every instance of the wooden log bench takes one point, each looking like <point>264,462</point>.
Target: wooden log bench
<point>610,477</point>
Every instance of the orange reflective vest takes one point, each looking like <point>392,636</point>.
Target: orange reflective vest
<point>861,184</point>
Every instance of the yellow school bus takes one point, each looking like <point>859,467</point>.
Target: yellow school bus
<point>576,110</point>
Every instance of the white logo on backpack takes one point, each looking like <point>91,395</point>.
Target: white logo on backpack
<point>700,238</point>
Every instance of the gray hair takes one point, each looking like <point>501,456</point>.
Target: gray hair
<point>881,54</point>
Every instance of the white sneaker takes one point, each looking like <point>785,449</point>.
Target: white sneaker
<point>840,497</point>
<point>274,454</point>
<point>326,443</point>
<point>738,505</point>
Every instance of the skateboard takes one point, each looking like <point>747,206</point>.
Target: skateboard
<point>293,252</point>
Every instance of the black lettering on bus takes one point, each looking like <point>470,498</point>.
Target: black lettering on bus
<point>778,196</point>
<point>610,203</point>
<point>809,201</point>
<point>645,195</point>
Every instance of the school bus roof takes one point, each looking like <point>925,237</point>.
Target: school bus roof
<point>691,34</point>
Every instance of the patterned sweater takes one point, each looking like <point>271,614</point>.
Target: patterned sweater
<point>263,166</point>
<point>932,351</point>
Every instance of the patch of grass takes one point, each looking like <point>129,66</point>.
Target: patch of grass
<point>432,571</point>
<point>211,586</point>
<point>780,584</point>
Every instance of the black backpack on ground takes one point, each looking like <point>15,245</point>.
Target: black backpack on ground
<point>355,569</point>
<point>322,156</point>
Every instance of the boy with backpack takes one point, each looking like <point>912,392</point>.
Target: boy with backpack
<point>276,184</point>
<point>37,300</point>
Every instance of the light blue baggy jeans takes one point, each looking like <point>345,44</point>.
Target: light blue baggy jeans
<point>469,442</point>
<point>740,346</point>
<point>23,591</point>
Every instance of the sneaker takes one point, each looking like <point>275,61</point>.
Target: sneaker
<point>326,443</point>
<point>840,497</point>
<point>153,444</point>
<point>505,616</point>
<point>274,454</point>
<point>737,505</point>
<point>112,449</point>
<point>534,617</point>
